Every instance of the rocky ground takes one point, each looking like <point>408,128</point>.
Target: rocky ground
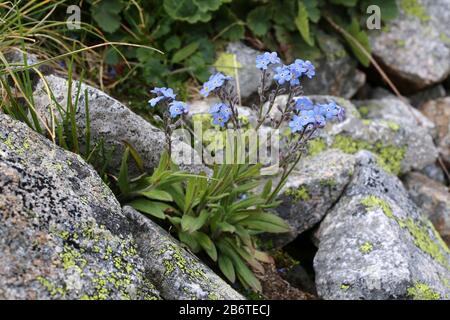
<point>370,201</point>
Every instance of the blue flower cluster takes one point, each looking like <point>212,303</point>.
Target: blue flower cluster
<point>314,116</point>
<point>266,59</point>
<point>221,113</point>
<point>215,82</point>
<point>161,94</point>
<point>292,73</point>
<point>176,108</point>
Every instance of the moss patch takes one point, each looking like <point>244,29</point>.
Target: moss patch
<point>414,8</point>
<point>299,194</point>
<point>389,157</point>
<point>366,248</point>
<point>421,291</point>
<point>316,146</point>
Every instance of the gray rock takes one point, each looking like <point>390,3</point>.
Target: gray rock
<point>434,200</point>
<point>62,234</point>
<point>336,71</point>
<point>311,190</point>
<point>391,132</point>
<point>434,172</point>
<point>113,123</point>
<point>177,273</point>
<point>433,93</point>
<point>415,47</point>
<point>396,111</point>
<point>249,75</point>
<point>375,243</point>
<point>438,111</point>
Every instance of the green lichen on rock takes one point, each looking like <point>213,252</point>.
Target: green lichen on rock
<point>316,146</point>
<point>173,260</point>
<point>423,240</point>
<point>389,157</point>
<point>444,38</point>
<point>96,242</point>
<point>373,202</point>
<point>421,291</point>
<point>419,230</point>
<point>8,142</point>
<point>414,8</point>
<point>51,288</point>
<point>364,111</point>
<point>299,194</point>
<point>394,126</point>
<point>345,287</point>
<point>365,248</point>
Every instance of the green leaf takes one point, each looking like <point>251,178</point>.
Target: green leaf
<point>355,30</point>
<point>208,5</point>
<point>207,245</point>
<point>106,14</point>
<point>112,57</point>
<point>266,222</point>
<point>156,194</point>
<point>347,3</point>
<point>302,23</point>
<point>229,26</point>
<point>123,180</point>
<point>191,190</point>
<point>172,43</point>
<point>191,224</point>
<point>153,208</point>
<point>314,13</point>
<point>136,157</point>
<point>258,20</point>
<point>267,189</point>
<point>186,10</point>
<point>244,273</point>
<point>225,227</point>
<point>246,203</point>
<point>190,240</point>
<point>226,266</point>
<point>185,52</point>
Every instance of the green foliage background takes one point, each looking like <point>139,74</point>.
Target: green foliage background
<point>190,32</point>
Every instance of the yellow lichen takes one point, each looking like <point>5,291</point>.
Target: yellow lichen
<point>421,291</point>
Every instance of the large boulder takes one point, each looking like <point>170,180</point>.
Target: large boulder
<point>376,244</point>
<point>113,123</point>
<point>438,111</point>
<point>434,200</point>
<point>415,47</point>
<point>177,273</point>
<point>62,234</point>
<point>311,190</point>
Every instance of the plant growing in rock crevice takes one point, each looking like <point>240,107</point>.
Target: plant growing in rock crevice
<point>221,214</point>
